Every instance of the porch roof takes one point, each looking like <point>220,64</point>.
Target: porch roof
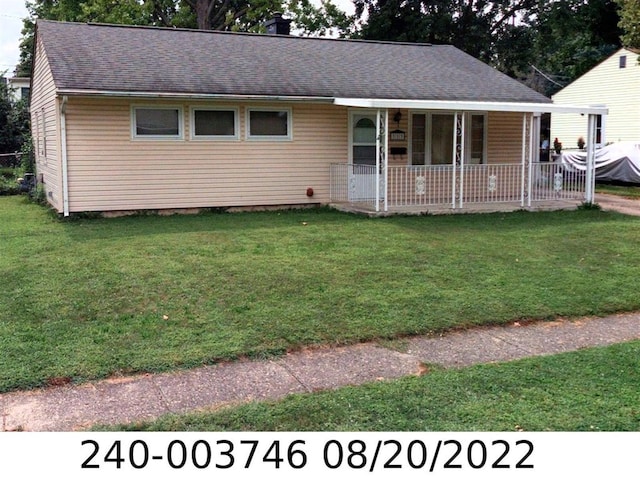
<point>471,106</point>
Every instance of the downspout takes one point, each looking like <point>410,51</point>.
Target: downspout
<point>63,141</point>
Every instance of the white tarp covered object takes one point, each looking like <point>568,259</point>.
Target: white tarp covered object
<point>618,162</point>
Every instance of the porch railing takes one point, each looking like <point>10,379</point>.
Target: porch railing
<point>444,185</point>
<point>552,181</point>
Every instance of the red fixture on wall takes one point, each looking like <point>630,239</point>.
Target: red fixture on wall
<point>309,192</point>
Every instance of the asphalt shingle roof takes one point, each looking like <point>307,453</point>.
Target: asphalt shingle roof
<point>160,60</point>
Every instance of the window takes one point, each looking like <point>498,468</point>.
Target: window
<point>364,140</point>
<point>157,122</point>
<point>266,124</point>
<point>214,123</point>
<point>42,141</point>
<point>432,138</point>
<point>476,142</point>
<point>623,61</point>
<point>24,93</point>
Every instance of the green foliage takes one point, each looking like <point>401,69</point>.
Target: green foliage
<point>14,121</point>
<point>573,36</point>
<point>27,158</point>
<point>563,38</point>
<point>8,181</point>
<point>39,195</point>
<point>630,22</point>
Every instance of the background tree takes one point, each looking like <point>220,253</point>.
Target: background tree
<point>572,36</point>
<point>630,22</point>
<point>14,120</point>
<point>544,44</point>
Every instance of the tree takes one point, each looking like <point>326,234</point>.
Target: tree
<point>479,27</point>
<point>572,37</point>
<point>544,44</point>
<point>14,120</point>
<point>630,22</point>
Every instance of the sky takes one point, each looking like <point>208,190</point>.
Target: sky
<point>13,11</point>
<point>11,14</point>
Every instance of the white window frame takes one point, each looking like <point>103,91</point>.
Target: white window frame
<point>236,123</point>
<point>134,133</point>
<point>429,133</point>
<point>269,138</point>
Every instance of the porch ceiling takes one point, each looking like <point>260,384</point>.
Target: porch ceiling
<point>471,106</point>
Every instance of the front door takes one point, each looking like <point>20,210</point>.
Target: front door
<point>362,173</point>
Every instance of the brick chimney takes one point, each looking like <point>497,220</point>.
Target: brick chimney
<point>278,25</point>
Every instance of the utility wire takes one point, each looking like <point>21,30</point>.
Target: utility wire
<point>546,76</point>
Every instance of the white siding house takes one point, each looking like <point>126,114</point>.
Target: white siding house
<point>614,83</point>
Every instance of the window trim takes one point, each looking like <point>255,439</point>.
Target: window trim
<point>136,136</point>
<point>269,138</point>
<point>236,124</point>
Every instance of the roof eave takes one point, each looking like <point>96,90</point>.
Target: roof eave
<point>188,96</point>
<point>456,105</point>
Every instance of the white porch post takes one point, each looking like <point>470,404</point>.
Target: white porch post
<point>530,160</point>
<point>591,160</point>
<point>454,162</point>
<point>382,146</point>
<point>524,161</point>
<point>459,152</point>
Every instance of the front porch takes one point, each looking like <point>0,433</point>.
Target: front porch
<point>453,159</point>
<point>464,189</point>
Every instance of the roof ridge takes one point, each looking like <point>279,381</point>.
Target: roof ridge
<point>248,34</point>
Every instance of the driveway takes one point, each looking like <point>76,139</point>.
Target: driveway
<point>618,204</point>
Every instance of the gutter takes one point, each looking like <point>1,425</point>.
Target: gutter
<point>63,140</point>
<point>193,96</point>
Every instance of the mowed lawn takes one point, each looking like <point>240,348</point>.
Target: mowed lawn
<point>85,299</point>
<point>595,389</point>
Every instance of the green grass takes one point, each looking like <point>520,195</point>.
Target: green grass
<point>628,191</point>
<point>588,390</point>
<point>85,299</point>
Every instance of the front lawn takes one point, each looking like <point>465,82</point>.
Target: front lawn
<point>590,390</point>
<point>85,299</point>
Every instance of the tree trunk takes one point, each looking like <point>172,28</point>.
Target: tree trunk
<point>202,14</point>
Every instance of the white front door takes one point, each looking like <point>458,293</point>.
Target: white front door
<point>362,173</point>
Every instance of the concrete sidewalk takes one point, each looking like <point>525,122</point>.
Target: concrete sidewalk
<point>144,397</point>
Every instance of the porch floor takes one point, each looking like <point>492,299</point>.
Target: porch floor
<point>368,209</point>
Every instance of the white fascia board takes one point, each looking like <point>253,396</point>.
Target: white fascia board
<point>471,106</point>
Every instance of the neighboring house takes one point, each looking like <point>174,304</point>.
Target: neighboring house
<point>614,83</point>
<point>131,118</point>
<point>20,87</point>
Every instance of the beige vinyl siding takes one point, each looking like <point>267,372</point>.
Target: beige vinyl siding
<point>45,128</point>
<point>504,137</point>
<point>110,170</point>
<point>606,84</point>
<point>399,160</point>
